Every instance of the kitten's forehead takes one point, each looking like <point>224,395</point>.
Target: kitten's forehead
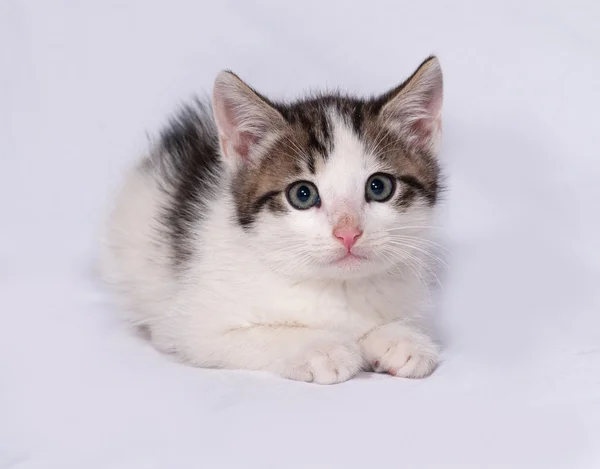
<point>341,136</point>
<point>347,164</point>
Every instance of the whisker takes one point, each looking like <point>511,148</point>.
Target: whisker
<point>413,267</point>
<point>385,258</point>
<point>413,227</point>
<point>421,250</point>
<point>412,238</point>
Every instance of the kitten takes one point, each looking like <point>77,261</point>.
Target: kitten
<point>286,237</point>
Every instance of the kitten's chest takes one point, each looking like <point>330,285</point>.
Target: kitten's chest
<point>351,305</point>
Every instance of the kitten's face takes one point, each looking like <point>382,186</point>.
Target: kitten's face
<point>334,187</point>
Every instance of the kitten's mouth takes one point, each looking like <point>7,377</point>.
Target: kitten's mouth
<point>349,257</point>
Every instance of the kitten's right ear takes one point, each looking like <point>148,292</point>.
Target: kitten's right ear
<point>244,119</point>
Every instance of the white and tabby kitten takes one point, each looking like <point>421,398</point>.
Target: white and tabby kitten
<point>291,238</point>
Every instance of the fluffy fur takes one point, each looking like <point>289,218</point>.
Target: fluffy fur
<point>212,259</point>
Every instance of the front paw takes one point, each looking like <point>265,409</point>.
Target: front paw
<point>324,361</point>
<point>400,350</point>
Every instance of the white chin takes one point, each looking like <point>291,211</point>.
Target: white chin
<point>350,267</point>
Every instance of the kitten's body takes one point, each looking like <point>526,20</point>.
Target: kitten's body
<point>214,261</point>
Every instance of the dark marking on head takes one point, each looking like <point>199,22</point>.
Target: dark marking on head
<point>427,191</point>
<point>314,145</point>
<point>264,199</point>
<point>310,164</point>
<point>405,198</point>
<point>326,132</point>
<point>357,118</point>
<point>269,200</point>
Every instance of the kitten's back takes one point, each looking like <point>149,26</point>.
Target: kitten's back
<point>149,231</point>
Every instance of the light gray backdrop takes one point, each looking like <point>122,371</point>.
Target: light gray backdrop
<point>80,85</point>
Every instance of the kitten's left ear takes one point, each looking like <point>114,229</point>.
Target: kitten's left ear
<point>414,109</point>
<point>245,120</point>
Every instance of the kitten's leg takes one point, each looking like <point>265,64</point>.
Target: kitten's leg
<point>400,350</point>
<point>298,353</point>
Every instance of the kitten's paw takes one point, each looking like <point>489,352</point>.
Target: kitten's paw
<point>325,361</point>
<point>400,350</point>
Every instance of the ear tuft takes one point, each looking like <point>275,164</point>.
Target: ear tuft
<point>244,119</point>
<point>414,109</point>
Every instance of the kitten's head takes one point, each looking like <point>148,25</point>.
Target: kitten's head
<point>333,186</point>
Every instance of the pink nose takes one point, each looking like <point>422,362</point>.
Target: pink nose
<point>347,236</point>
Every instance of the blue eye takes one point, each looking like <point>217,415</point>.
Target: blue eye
<point>380,187</point>
<point>303,195</point>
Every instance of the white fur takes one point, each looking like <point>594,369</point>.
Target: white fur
<point>272,299</point>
